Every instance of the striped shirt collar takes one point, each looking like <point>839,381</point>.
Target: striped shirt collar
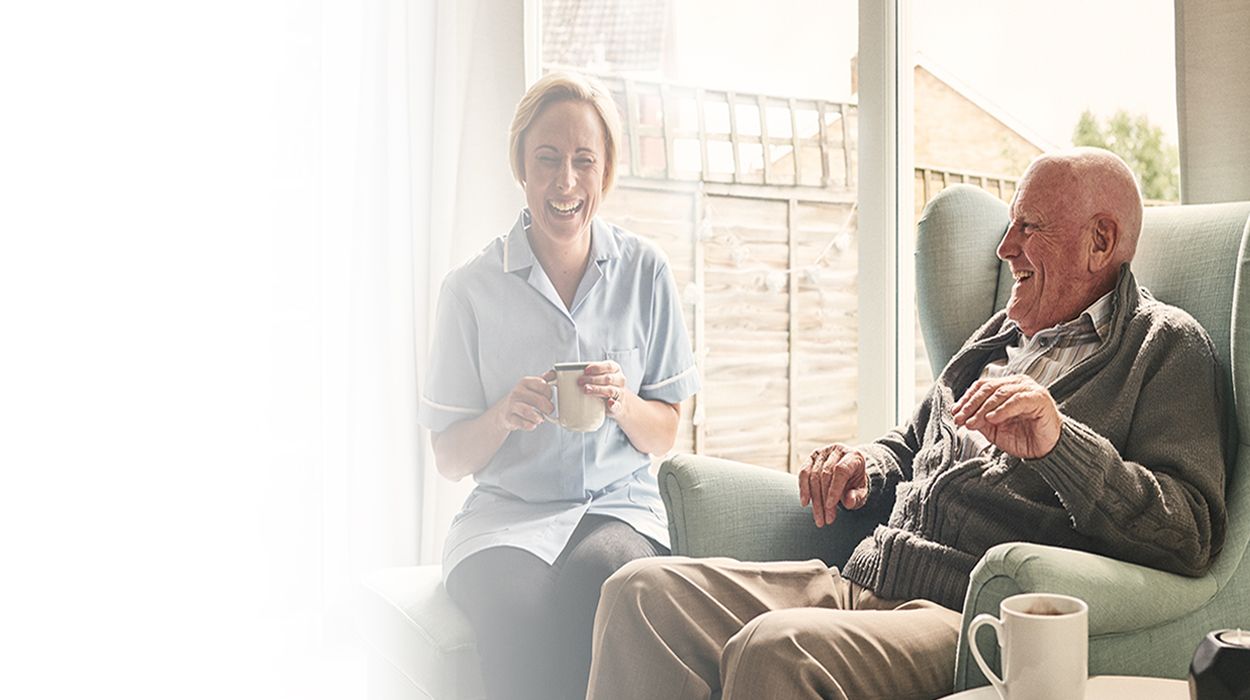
<point>1092,325</point>
<point>1099,314</point>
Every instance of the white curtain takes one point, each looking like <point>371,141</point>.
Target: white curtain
<point>1213,99</point>
<point>416,103</point>
<point>222,231</point>
<point>370,490</point>
<point>475,73</point>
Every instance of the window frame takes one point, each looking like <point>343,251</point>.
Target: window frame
<point>886,200</point>
<point>886,310</point>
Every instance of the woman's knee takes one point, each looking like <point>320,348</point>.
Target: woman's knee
<point>591,566</point>
<point>501,584</point>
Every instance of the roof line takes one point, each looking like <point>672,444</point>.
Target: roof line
<point>970,94</point>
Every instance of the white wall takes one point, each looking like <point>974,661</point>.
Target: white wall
<point>1213,99</point>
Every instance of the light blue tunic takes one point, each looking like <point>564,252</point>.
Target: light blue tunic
<point>500,319</point>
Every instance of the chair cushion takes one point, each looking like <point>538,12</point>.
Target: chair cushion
<point>409,621</point>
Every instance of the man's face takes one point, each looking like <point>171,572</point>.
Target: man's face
<point>1047,247</point>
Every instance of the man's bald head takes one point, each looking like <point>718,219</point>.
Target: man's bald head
<point>1075,220</point>
<point>1099,184</point>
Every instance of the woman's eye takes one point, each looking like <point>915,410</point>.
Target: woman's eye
<point>584,162</point>
<point>548,160</point>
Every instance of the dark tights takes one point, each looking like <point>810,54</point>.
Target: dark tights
<point>533,622</point>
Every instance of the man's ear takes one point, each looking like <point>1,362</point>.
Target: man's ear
<point>1104,239</point>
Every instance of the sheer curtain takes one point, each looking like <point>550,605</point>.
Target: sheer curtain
<point>370,490</point>
<point>416,101</point>
<point>473,62</point>
<point>222,231</point>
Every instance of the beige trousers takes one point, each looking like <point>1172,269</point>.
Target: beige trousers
<point>675,627</point>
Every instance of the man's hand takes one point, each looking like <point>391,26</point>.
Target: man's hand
<point>1015,413</point>
<point>833,474</point>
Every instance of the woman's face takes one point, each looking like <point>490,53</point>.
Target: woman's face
<point>565,160</point>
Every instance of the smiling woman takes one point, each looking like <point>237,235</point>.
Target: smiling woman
<point>556,509</point>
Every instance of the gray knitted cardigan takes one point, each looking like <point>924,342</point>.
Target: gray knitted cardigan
<point>1137,474</point>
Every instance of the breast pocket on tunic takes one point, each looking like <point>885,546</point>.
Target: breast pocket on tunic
<point>630,361</point>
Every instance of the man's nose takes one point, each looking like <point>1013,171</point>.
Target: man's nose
<point>1009,247</point>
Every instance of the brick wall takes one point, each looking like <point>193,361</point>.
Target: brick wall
<point>954,133</point>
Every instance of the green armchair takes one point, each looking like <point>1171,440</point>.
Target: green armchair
<point>1142,621</point>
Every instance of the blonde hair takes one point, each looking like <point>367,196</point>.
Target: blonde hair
<point>563,86</point>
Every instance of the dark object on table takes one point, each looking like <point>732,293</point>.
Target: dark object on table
<point>1221,667</point>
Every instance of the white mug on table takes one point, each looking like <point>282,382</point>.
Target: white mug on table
<point>1045,646</point>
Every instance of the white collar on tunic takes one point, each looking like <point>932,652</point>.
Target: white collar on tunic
<point>518,255</point>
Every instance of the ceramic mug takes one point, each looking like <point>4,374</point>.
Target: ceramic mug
<point>1045,646</point>
<point>575,409</point>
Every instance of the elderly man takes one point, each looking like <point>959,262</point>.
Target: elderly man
<point>1088,416</point>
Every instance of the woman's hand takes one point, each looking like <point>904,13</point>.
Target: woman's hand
<point>650,425</point>
<point>524,407</point>
<point>467,446</point>
<point>605,380</point>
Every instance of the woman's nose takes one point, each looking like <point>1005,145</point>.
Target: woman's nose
<point>565,179</point>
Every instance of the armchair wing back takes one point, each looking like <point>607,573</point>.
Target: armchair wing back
<point>1142,622</point>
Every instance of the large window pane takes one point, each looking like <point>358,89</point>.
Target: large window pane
<point>739,161</point>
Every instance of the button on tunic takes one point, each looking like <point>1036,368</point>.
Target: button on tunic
<point>499,319</point>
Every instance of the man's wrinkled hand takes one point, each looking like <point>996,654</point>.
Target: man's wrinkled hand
<point>1015,413</point>
<point>831,475</point>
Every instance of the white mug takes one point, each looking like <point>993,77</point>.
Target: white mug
<point>1045,646</point>
<point>575,409</point>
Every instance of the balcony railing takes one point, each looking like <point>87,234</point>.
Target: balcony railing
<point>675,132</point>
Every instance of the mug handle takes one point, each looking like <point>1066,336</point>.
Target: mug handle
<point>977,623</point>
<point>554,416</point>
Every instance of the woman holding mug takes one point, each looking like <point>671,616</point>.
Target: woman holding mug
<point>554,512</point>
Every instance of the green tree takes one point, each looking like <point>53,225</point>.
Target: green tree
<point>1141,144</point>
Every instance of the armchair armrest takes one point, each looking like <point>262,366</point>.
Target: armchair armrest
<point>718,507</point>
<point>1122,597</point>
